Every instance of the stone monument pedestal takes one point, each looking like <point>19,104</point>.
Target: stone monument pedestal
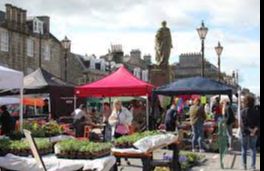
<point>159,76</point>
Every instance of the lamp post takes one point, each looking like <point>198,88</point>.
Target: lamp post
<point>219,50</point>
<point>66,43</point>
<point>202,31</point>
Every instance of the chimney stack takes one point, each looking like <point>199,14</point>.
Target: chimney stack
<point>8,12</point>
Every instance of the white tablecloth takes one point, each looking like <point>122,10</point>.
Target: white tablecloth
<point>52,163</point>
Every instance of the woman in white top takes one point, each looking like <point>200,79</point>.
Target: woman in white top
<point>120,119</point>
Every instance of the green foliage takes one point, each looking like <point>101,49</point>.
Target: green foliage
<point>129,140</point>
<point>76,147</point>
<point>21,147</point>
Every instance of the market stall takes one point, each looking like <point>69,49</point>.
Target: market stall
<point>60,93</point>
<point>12,79</point>
<point>119,83</point>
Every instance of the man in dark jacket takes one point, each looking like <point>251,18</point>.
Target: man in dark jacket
<point>6,120</point>
<point>170,118</point>
<point>250,124</point>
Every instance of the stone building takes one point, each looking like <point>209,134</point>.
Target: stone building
<point>134,61</point>
<point>25,40</point>
<point>86,69</point>
<point>189,65</point>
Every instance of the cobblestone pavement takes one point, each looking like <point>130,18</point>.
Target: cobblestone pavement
<point>212,163</point>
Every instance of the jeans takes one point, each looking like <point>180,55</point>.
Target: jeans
<point>218,117</point>
<point>229,132</point>
<point>250,141</point>
<point>198,134</point>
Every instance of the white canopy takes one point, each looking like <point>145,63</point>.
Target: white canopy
<point>12,79</point>
<point>9,100</point>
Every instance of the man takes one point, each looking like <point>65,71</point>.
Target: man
<point>163,45</point>
<point>250,125</point>
<point>170,118</point>
<point>217,110</point>
<point>197,116</point>
<point>8,122</point>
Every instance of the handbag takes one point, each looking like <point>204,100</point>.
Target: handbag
<point>121,129</point>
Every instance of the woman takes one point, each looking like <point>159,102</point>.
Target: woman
<point>120,120</point>
<point>197,116</point>
<point>250,128</point>
<point>229,121</point>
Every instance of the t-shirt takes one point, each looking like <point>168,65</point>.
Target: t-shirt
<point>78,114</point>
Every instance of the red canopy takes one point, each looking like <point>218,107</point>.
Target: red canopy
<point>119,83</point>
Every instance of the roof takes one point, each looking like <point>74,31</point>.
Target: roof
<point>41,78</point>
<point>119,83</point>
<point>194,85</point>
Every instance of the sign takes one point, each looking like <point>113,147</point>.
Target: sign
<point>203,99</point>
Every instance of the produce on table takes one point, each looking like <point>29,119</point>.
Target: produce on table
<point>37,130</point>
<point>81,149</point>
<point>129,140</point>
<point>22,148</point>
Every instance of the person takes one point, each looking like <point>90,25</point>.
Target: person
<point>197,117</point>
<point>120,120</point>
<point>107,132</point>
<point>207,108</point>
<point>250,125</point>
<point>163,45</point>
<point>170,118</point>
<point>80,119</point>
<point>139,116</point>
<point>217,110</point>
<point>229,121</point>
<point>45,108</point>
<point>106,112</point>
<point>8,122</point>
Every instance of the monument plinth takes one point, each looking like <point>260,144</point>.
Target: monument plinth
<point>158,75</point>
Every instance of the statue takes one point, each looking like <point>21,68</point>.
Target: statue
<point>163,45</point>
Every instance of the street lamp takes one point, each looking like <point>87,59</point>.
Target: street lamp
<point>219,50</point>
<point>202,31</point>
<point>66,43</point>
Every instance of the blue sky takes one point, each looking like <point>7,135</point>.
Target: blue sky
<point>93,25</point>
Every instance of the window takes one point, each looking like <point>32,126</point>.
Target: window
<point>4,41</point>
<point>37,26</point>
<point>46,52</point>
<point>137,72</point>
<point>97,66</point>
<point>30,47</point>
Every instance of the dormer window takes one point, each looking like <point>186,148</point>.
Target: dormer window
<point>37,26</point>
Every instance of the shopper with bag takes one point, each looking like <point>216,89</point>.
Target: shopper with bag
<point>250,125</point>
<point>120,120</point>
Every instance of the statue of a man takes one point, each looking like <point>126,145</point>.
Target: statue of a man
<point>163,45</point>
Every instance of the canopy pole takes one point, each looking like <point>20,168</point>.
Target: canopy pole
<point>74,103</point>
<point>147,112</point>
<point>21,110</point>
<point>239,107</point>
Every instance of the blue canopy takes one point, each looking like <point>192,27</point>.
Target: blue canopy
<point>194,85</point>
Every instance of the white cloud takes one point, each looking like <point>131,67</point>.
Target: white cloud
<point>93,24</point>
